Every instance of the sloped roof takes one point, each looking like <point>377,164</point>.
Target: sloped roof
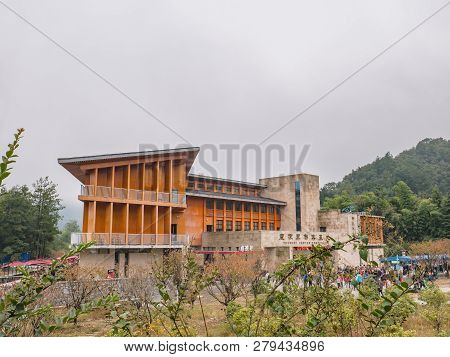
<point>72,164</point>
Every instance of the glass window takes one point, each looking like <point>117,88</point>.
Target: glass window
<point>228,189</point>
<point>209,204</point>
<point>270,209</point>
<point>247,207</point>
<point>263,226</point>
<point>209,186</point>
<point>200,185</point>
<point>238,225</point>
<point>263,208</point>
<point>271,226</point>
<point>229,205</point>
<point>278,210</point>
<point>236,190</point>
<point>238,206</point>
<point>298,211</point>
<point>219,204</point>
<point>229,225</point>
<point>219,187</point>
<point>219,225</point>
<point>255,226</point>
<point>191,185</point>
<point>246,226</point>
<point>255,207</point>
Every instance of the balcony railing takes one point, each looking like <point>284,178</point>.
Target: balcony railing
<point>178,198</point>
<point>131,194</point>
<point>120,239</point>
<point>163,197</point>
<point>120,193</point>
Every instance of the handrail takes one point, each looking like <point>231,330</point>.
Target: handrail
<point>107,239</point>
<point>132,194</point>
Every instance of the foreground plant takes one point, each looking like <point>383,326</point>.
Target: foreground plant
<point>177,281</point>
<point>282,305</point>
<point>10,155</point>
<point>436,310</point>
<point>389,311</point>
<point>21,310</point>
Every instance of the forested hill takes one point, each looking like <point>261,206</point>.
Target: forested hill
<point>423,167</point>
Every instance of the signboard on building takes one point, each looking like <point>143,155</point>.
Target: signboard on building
<point>296,239</point>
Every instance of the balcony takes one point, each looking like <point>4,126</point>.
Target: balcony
<point>130,194</point>
<point>108,240</point>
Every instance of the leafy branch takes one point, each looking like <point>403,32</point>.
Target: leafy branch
<point>379,316</point>
<point>10,155</point>
<point>20,304</point>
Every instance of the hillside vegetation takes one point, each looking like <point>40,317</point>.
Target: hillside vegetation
<point>410,190</point>
<point>422,168</point>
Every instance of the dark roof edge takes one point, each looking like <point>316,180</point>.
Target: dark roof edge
<point>222,195</point>
<point>227,180</point>
<point>70,160</point>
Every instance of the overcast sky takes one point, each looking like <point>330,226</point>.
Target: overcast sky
<point>221,72</point>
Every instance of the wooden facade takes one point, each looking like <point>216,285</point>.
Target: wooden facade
<point>218,205</point>
<point>148,199</point>
<point>372,226</point>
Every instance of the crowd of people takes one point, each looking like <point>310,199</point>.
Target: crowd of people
<point>388,275</point>
<point>384,276</point>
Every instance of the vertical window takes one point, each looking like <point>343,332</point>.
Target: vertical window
<point>229,205</point>
<point>263,226</point>
<point>229,225</point>
<point>298,212</point>
<point>247,207</point>
<point>228,189</point>
<point>190,185</point>
<point>219,204</point>
<point>219,225</point>
<point>201,185</point>
<point>255,207</point>
<point>271,226</point>
<point>255,226</point>
<point>263,208</point>
<point>246,226</point>
<point>238,225</point>
<point>238,206</point>
<point>236,190</point>
<point>209,186</point>
<point>209,204</point>
<point>219,187</point>
<point>270,209</point>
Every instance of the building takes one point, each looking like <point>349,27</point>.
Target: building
<point>138,206</point>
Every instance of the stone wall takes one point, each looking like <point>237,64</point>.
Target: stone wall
<point>334,221</point>
<point>282,188</point>
<point>92,259</point>
<point>102,262</point>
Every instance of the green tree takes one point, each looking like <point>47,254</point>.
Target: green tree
<point>445,218</point>
<point>62,240</point>
<point>16,221</point>
<point>47,208</point>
